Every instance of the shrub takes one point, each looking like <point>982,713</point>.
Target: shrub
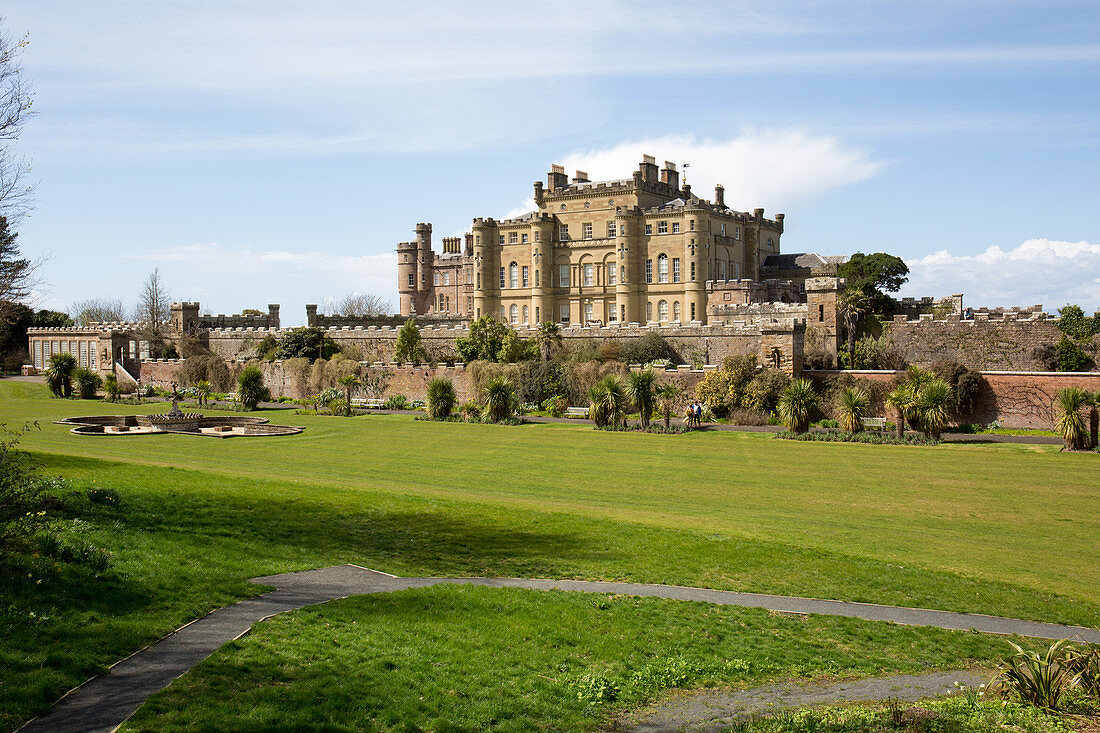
<point>1069,357</point>
<point>607,402</point>
<point>852,408</point>
<point>59,374</point>
<point>396,402</point>
<point>747,416</point>
<point>23,496</point>
<point>470,410</point>
<point>555,406</point>
<point>581,377</point>
<point>87,383</point>
<point>726,388</point>
<point>307,343</point>
<point>266,348</point>
<point>441,397</point>
<point>796,405</point>
<point>251,390</point>
<point>206,368</point>
<point>500,401</point>
<point>762,393</point>
<point>1036,678</point>
<point>932,406</point>
<point>647,349</point>
<point>539,381</point>
<point>491,340</point>
<point>871,438</point>
<point>965,385</point>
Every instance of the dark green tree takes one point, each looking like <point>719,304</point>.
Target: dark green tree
<point>1074,323</point>
<point>876,275</point>
<point>407,347</point>
<point>305,343</point>
<point>492,340</point>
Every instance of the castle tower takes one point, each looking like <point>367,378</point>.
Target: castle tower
<point>695,289</point>
<point>628,226</point>
<point>542,264</point>
<point>408,288</point>
<point>486,262</point>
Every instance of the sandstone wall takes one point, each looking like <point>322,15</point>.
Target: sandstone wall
<point>986,342</point>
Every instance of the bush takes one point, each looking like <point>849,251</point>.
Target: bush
<point>266,348</point>
<point>500,400</point>
<point>872,438</point>
<point>607,402</point>
<point>251,390</point>
<point>87,383</point>
<point>1069,357</point>
<point>747,416</point>
<point>206,368</point>
<point>305,343</point>
<point>726,388</point>
<point>852,408</point>
<point>407,347</point>
<point>110,386</point>
<point>647,349</point>
<point>59,374</point>
<point>470,410</point>
<point>555,406</point>
<point>965,385</point>
<point>23,496</point>
<point>763,392</point>
<point>539,381</point>
<point>797,404</point>
<point>441,397</point>
<point>396,402</point>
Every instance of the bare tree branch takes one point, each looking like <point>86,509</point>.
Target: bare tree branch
<point>97,310</point>
<point>362,304</point>
<point>16,100</point>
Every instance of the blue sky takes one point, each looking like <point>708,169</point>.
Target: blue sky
<point>276,151</point>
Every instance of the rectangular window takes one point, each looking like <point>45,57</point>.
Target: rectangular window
<point>691,225</point>
<point>693,272</point>
<point>523,239</point>
<point>588,318</point>
<point>649,229</point>
<point>469,304</point>
<point>622,312</point>
<point>513,237</point>
<point>675,269</point>
<point>563,311</point>
<point>502,239</point>
<point>536,278</point>
<point>649,271</point>
<point>737,270</point>
<point>610,229</point>
<point>675,227</point>
<point>588,274</point>
<point>502,277</point>
<point>662,269</point>
<point>693,311</point>
<point>536,236</point>
<point>611,279</point>
<point>611,314</point>
<point>412,280</point>
<point>662,227</point>
<point>564,235</point>
<point>563,276</point>
<point>537,314</point>
<point>586,230</point>
<point>525,269</point>
<point>736,232</point>
<point>723,229</point>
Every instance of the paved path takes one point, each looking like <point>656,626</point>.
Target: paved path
<point>104,702</point>
<point>712,711</point>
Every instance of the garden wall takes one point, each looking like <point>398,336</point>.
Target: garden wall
<point>1014,399</point>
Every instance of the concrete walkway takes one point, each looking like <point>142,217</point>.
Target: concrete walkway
<point>103,703</point>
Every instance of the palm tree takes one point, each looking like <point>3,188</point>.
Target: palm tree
<point>853,304</point>
<point>251,390</point>
<point>202,391</point>
<point>795,405</point>
<point>548,337</point>
<point>87,382</point>
<point>110,387</point>
<point>932,407</point>
<point>607,402</point>
<point>1094,419</point>
<point>59,374</point>
<point>640,390</point>
<point>901,399</point>
<point>349,382</point>
<point>470,409</point>
<point>852,406</point>
<point>1068,403</point>
<point>668,394</point>
<point>441,397</point>
<point>499,399</point>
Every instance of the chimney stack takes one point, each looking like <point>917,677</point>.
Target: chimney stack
<point>669,175</point>
<point>580,177</point>
<point>556,178</point>
<point>720,195</point>
<point>648,169</point>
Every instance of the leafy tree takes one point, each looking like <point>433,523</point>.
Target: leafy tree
<point>852,408</point>
<point>267,348</point>
<point>875,273</point>
<point>13,335</point>
<point>307,343</point>
<point>797,404</point>
<point>548,336</point>
<point>726,388</point>
<point>639,388</point>
<point>647,349</point>
<point>407,347</point>
<point>16,272</point>
<point>251,312</point>
<point>491,340</point>
<point>1069,357</point>
<point>59,374</point>
<point>441,397</point>
<point>251,389</point>
<point>1073,322</point>
<point>350,382</point>
<point>965,385</point>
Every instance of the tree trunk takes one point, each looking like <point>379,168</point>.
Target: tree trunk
<point>1094,425</point>
<point>901,425</point>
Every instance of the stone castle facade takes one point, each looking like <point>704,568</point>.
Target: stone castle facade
<point>636,250</point>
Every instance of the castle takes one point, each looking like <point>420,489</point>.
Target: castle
<point>636,250</point>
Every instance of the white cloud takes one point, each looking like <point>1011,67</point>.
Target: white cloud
<point>1038,271</point>
<point>774,169</point>
<point>527,206</point>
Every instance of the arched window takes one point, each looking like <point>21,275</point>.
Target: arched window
<point>662,268</point>
<point>513,276</point>
<point>662,310</point>
<point>526,315</point>
<point>513,313</point>
<point>649,311</point>
<point>675,310</point>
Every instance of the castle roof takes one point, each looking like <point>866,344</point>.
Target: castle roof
<point>803,260</point>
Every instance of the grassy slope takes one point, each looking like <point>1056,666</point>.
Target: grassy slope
<point>994,529</point>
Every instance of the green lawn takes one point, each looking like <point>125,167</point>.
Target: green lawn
<point>1005,529</point>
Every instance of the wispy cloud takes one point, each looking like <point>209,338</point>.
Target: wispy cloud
<point>775,169</point>
<point>1038,271</point>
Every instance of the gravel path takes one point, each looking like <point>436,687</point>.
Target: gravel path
<point>103,703</point>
